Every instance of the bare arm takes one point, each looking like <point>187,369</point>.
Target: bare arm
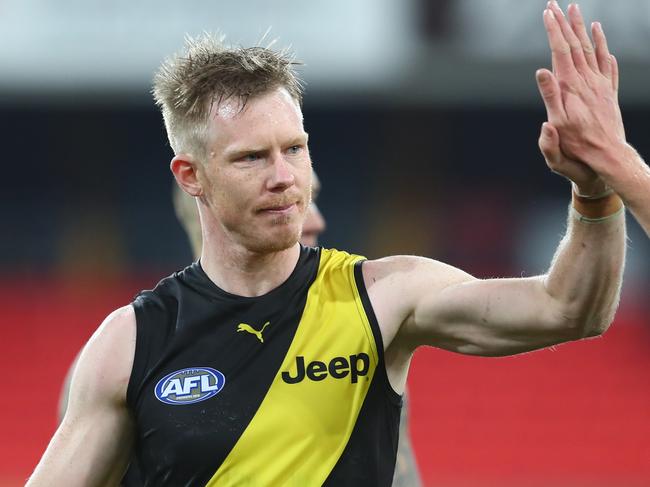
<point>424,302</point>
<point>629,176</point>
<point>65,389</point>
<point>420,301</point>
<point>93,443</point>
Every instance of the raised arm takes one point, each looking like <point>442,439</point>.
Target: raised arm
<point>423,302</point>
<point>93,443</point>
<point>576,62</point>
<point>419,301</point>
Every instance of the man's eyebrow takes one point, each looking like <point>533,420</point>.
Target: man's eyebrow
<point>239,151</point>
<point>299,139</point>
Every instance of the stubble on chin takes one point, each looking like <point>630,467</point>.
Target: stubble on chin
<point>275,243</point>
<point>282,236</point>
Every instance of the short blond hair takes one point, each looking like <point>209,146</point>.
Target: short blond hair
<point>206,72</point>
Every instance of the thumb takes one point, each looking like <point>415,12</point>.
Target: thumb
<point>549,144</point>
<point>551,93</point>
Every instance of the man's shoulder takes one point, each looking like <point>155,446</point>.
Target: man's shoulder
<point>115,333</point>
<point>335,257</point>
<point>408,267</point>
<point>403,280</point>
<point>120,320</point>
<point>393,265</point>
<point>190,273</point>
<point>170,289</point>
<point>105,363</point>
<point>376,271</point>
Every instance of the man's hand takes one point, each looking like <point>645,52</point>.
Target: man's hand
<point>586,180</point>
<point>584,118</point>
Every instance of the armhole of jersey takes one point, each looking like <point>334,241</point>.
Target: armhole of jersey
<point>376,331</point>
<point>138,358</point>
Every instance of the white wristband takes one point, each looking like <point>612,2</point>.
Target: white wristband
<point>596,196</point>
<point>593,221</point>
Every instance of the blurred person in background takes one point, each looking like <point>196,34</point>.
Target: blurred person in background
<point>624,172</point>
<point>305,389</point>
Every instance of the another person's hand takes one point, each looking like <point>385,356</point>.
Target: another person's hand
<point>581,99</point>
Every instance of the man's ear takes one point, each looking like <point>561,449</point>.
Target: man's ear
<point>185,170</point>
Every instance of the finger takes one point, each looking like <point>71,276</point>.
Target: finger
<point>563,65</point>
<point>553,60</point>
<point>549,88</point>
<point>549,145</point>
<point>602,51</point>
<point>578,26</point>
<point>577,52</point>
<point>614,73</point>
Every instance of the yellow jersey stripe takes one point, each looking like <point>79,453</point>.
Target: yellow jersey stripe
<point>308,414</point>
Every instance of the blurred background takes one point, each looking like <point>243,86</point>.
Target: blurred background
<point>423,118</point>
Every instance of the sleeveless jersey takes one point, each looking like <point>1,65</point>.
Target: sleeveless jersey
<point>285,389</point>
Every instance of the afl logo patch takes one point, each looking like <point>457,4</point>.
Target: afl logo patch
<point>188,386</point>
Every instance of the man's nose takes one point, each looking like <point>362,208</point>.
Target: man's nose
<point>282,174</point>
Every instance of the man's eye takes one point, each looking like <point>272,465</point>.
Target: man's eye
<point>294,149</point>
<point>250,157</point>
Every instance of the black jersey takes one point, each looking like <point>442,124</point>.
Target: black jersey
<point>285,389</point>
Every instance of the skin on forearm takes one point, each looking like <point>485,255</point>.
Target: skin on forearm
<point>586,273</point>
<point>630,178</point>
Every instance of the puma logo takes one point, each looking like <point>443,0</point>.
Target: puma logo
<point>249,329</point>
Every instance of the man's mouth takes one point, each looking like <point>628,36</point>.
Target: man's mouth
<point>279,209</point>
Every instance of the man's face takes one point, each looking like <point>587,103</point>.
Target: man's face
<point>258,175</point>
<point>314,223</point>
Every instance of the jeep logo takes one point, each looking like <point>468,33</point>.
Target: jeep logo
<point>339,367</point>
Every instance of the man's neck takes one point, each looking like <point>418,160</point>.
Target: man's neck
<point>239,271</point>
